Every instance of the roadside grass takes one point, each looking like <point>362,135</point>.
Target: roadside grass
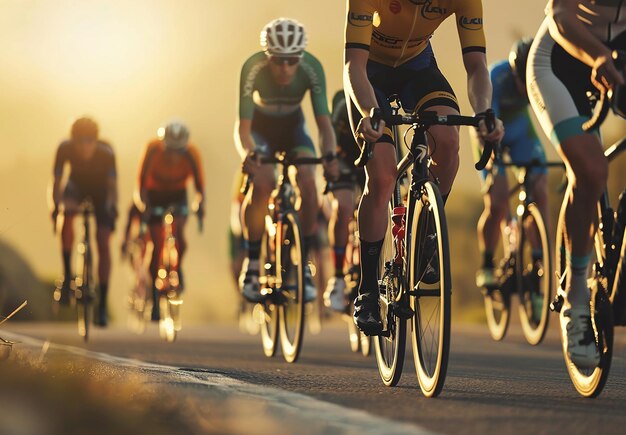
<point>73,396</point>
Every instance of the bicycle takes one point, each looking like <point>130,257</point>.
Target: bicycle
<point>516,271</point>
<point>417,237</point>
<point>359,342</point>
<point>83,285</point>
<point>282,264</point>
<point>167,281</point>
<point>606,274</point>
<point>139,294</point>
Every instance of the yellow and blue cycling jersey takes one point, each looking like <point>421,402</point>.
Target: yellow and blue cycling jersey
<point>396,31</point>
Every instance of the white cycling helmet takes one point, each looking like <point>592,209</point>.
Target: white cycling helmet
<point>283,37</point>
<point>175,135</point>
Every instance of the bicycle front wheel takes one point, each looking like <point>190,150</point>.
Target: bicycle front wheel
<point>590,382</point>
<point>498,299</point>
<point>391,345</point>
<point>535,275</point>
<point>266,312</point>
<point>290,264</point>
<point>430,289</point>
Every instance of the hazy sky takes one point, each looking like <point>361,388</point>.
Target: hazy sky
<point>133,64</point>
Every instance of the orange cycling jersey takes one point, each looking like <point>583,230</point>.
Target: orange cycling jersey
<point>396,31</point>
<point>169,170</point>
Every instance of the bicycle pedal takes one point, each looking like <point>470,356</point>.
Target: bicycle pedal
<point>557,304</point>
<point>401,310</point>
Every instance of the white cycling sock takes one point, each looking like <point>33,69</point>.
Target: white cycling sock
<point>578,293</point>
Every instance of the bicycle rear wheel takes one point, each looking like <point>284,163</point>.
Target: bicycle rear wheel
<point>535,286</point>
<point>391,346</point>
<point>430,332</point>
<point>290,265</point>
<point>590,382</point>
<point>266,312</point>
<point>498,300</point>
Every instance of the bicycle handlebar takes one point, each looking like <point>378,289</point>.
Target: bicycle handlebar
<point>288,160</point>
<point>426,120</point>
<point>619,58</point>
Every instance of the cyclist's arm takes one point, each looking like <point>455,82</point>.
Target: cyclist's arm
<point>55,192</point>
<point>572,34</point>
<point>243,127</point>
<point>243,137</point>
<point>479,88</point>
<point>144,165</point>
<point>328,142</point>
<point>198,179</point>
<point>112,187</point>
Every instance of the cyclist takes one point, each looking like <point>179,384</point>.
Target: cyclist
<point>168,163</point>
<point>510,102</point>
<point>92,175</point>
<point>343,201</point>
<point>388,52</point>
<point>273,84</point>
<point>571,55</point>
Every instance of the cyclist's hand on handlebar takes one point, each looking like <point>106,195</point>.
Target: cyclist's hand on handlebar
<point>331,168</point>
<point>495,136</point>
<point>605,75</point>
<point>251,163</point>
<point>365,130</point>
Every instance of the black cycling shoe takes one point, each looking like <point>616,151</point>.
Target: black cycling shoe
<point>155,315</point>
<point>101,318</point>
<point>367,314</point>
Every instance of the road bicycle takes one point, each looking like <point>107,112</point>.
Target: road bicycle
<point>167,281</point>
<point>281,313</point>
<point>83,286</point>
<point>139,297</point>
<point>516,271</point>
<point>416,243</point>
<point>606,273</point>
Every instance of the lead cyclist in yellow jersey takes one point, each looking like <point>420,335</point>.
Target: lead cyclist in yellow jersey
<point>388,52</point>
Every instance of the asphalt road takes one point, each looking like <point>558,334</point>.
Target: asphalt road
<point>505,387</point>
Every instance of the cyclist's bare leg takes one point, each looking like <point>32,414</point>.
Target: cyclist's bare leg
<point>103,238</point>
<point>445,150</point>
<point>254,207</point>
<point>496,209</point>
<point>343,209</point>
<point>587,172</point>
<point>309,204</point>
<point>381,178</point>
<point>157,236</point>
<point>67,239</point>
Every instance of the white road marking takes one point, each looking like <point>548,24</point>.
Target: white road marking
<point>337,418</point>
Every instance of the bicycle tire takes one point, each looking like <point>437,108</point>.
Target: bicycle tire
<point>497,301</point>
<point>589,383</point>
<point>290,264</point>
<point>354,335</point>
<point>535,286</point>
<point>389,349</point>
<point>430,340</point>
<point>266,312</point>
